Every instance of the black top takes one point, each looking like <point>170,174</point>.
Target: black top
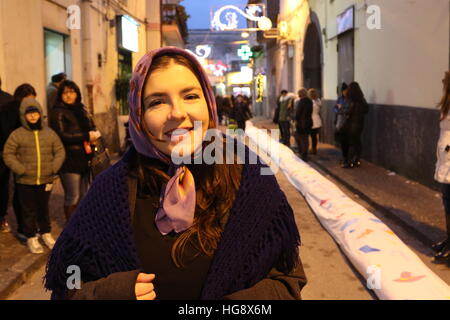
<point>5,97</point>
<point>303,115</point>
<point>154,251</point>
<point>9,120</point>
<point>72,124</point>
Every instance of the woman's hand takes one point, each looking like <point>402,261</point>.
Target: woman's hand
<point>92,136</point>
<point>144,288</point>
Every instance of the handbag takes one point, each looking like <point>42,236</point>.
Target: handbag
<point>101,159</point>
<point>341,121</point>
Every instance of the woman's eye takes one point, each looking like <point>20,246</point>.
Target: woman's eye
<point>154,103</point>
<point>192,97</point>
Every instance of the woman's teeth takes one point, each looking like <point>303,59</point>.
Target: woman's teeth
<point>179,134</point>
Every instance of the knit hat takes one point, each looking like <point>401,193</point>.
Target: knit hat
<point>177,200</point>
<point>31,110</point>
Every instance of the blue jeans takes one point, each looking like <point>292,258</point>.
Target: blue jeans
<point>75,186</point>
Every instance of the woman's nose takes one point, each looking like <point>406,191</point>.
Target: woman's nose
<point>177,112</point>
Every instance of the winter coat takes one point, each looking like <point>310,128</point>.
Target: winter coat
<point>285,108</point>
<point>5,98</point>
<point>442,173</point>
<point>356,113</point>
<point>241,112</point>
<point>73,127</point>
<point>35,156</point>
<point>303,115</point>
<point>317,121</point>
<point>255,264</point>
<point>52,92</point>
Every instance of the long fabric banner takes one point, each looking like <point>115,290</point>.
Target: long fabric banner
<point>391,268</point>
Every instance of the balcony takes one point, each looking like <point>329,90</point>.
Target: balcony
<point>174,26</point>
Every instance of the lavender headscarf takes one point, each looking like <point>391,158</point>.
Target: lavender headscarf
<point>177,208</point>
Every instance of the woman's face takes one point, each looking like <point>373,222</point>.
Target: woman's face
<point>173,100</point>
<point>69,95</point>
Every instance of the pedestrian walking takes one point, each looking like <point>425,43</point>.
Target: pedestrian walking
<point>52,90</point>
<point>303,122</point>
<point>354,112</point>
<point>219,104</point>
<point>34,153</point>
<point>149,228</point>
<point>241,112</point>
<point>73,124</point>
<point>227,106</point>
<point>443,169</point>
<point>285,106</point>
<point>10,121</point>
<point>317,120</point>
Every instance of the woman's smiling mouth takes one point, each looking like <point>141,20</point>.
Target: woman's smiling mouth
<point>178,134</point>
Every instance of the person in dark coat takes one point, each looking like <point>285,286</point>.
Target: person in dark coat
<point>5,97</point>
<point>219,104</point>
<point>75,127</point>
<point>282,116</point>
<point>227,106</point>
<point>303,122</point>
<point>52,89</point>
<point>10,121</point>
<point>241,112</point>
<point>354,125</point>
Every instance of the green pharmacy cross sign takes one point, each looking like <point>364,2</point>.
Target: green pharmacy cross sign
<point>244,52</point>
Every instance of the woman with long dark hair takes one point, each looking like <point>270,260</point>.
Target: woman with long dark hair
<point>71,121</point>
<point>443,168</point>
<point>152,227</point>
<point>357,108</point>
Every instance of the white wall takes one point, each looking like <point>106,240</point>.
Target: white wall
<point>401,64</point>
<point>22,48</point>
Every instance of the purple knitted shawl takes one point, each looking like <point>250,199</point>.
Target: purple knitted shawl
<point>260,234</point>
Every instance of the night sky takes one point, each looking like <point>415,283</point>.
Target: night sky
<point>199,10</point>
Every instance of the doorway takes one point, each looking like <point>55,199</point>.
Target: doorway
<point>312,66</point>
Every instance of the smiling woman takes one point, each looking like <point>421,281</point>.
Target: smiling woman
<point>152,229</point>
<point>170,111</point>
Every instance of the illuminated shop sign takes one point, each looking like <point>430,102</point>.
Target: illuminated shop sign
<point>346,20</point>
<point>128,34</point>
<point>244,52</point>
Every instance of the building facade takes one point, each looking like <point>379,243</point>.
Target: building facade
<point>397,51</point>
<point>96,42</point>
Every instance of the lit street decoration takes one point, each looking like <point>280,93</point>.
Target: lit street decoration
<point>244,52</point>
<point>260,85</point>
<point>201,51</point>
<point>253,13</point>
<point>217,69</point>
<point>284,29</point>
